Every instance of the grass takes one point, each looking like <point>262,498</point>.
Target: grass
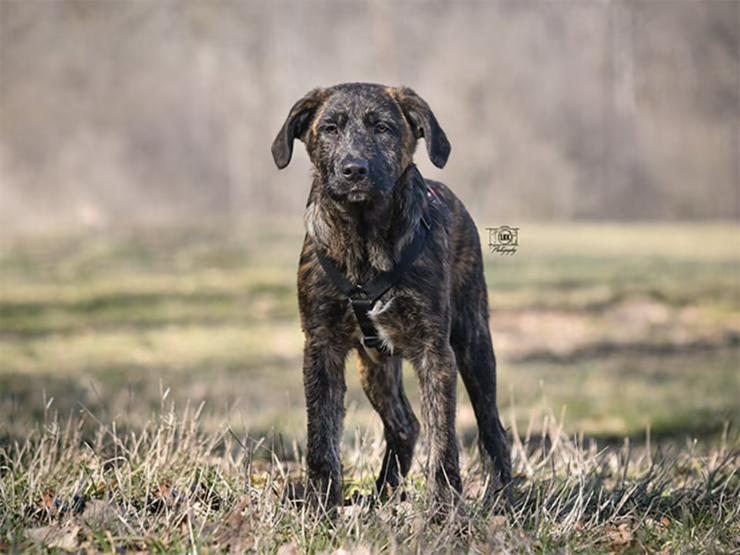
<point>169,487</point>
<point>627,333</point>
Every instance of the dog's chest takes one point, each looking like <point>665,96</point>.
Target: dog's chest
<point>389,317</point>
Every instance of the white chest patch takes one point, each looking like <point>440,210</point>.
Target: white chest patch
<point>383,333</point>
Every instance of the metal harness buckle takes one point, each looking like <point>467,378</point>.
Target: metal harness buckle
<point>371,342</point>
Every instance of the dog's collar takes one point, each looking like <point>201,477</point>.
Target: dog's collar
<point>363,296</point>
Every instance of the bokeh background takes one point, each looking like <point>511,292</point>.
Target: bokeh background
<point>149,245</point>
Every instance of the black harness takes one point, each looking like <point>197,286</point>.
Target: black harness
<point>362,297</point>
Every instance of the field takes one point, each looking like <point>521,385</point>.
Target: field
<point>151,396</point>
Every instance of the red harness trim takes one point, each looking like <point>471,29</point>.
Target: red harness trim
<point>433,194</point>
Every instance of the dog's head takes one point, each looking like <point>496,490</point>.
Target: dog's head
<point>361,137</point>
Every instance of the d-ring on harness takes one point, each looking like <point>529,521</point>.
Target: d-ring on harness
<point>362,297</point>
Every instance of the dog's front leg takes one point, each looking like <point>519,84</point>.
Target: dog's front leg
<point>437,373</point>
<point>323,382</point>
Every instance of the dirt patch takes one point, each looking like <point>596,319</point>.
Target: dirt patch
<point>654,326</point>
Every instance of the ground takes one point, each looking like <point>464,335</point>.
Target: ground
<point>151,395</point>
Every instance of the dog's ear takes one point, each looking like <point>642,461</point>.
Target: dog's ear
<point>296,126</point>
<point>424,124</point>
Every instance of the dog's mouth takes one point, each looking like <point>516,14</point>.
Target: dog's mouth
<point>368,190</point>
<point>352,193</point>
<point>358,195</point>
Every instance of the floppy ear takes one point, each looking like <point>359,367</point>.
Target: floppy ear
<point>424,124</point>
<point>296,126</point>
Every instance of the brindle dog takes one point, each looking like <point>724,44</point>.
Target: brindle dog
<point>363,209</point>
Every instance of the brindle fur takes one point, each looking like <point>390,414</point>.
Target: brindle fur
<point>436,316</point>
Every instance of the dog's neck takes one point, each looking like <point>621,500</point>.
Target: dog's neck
<point>366,239</point>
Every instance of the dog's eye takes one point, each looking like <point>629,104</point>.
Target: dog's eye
<point>329,128</point>
<point>381,128</point>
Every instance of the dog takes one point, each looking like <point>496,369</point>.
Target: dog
<point>391,267</point>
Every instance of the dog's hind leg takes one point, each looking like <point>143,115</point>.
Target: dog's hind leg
<point>471,341</point>
<point>383,385</point>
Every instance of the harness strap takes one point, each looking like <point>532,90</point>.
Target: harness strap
<point>362,297</point>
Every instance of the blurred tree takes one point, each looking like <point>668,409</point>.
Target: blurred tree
<point>122,112</point>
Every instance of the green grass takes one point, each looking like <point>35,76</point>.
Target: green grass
<point>621,330</point>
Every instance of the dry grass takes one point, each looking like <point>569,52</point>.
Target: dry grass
<point>169,487</point>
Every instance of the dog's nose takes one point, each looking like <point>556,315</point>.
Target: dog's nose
<point>354,169</point>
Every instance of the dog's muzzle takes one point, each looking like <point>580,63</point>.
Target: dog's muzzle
<point>345,191</point>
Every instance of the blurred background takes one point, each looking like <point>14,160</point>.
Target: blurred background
<point>149,245</point>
